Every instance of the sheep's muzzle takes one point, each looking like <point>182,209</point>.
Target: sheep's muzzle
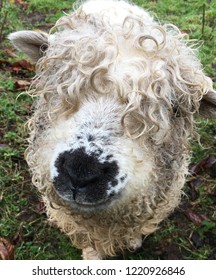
<point>83,181</point>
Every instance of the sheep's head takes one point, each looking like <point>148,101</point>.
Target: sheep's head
<point>116,105</point>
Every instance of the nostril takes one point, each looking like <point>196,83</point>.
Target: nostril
<point>82,179</point>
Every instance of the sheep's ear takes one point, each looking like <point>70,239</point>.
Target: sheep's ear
<point>208,105</point>
<point>31,43</point>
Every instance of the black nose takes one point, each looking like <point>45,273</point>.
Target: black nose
<point>82,168</point>
<point>83,177</point>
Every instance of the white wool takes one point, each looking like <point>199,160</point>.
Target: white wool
<point>113,74</point>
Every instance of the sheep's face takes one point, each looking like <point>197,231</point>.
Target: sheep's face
<point>92,160</point>
<point>115,73</point>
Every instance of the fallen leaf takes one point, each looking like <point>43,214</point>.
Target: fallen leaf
<point>21,3</point>
<point>6,249</point>
<point>10,53</point>
<point>22,85</point>
<point>196,239</point>
<point>195,182</point>
<point>40,207</point>
<point>16,66</point>
<point>185,31</point>
<point>204,164</point>
<point>196,218</point>
<point>22,64</point>
<point>26,65</point>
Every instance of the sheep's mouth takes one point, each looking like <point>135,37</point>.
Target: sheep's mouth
<point>87,206</point>
<point>93,207</point>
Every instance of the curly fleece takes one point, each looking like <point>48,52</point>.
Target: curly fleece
<point>117,48</point>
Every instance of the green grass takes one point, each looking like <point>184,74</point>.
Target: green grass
<point>47,5</point>
<point>22,221</point>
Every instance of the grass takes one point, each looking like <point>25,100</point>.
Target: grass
<point>22,219</point>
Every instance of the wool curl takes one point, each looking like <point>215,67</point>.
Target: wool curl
<point>153,71</point>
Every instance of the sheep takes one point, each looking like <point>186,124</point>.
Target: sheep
<point>109,146</point>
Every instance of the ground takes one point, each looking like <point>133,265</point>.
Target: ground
<point>25,233</point>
